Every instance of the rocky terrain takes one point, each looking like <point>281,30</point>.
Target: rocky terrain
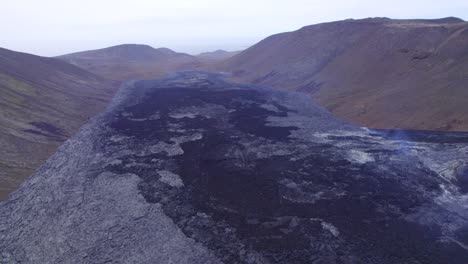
<point>131,61</point>
<point>193,169</point>
<point>43,102</point>
<point>377,72</point>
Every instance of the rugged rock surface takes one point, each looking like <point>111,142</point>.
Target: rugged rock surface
<point>192,169</point>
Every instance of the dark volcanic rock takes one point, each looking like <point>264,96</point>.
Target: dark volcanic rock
<point>192,169</point>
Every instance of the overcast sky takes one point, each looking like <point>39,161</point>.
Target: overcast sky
<point>55,27</point>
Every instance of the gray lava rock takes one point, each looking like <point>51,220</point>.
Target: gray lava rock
<point>193,169</point>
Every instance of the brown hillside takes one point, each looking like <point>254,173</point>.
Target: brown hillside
<point>131,61</point>
<point>378,72</point>
<point>43,101</point>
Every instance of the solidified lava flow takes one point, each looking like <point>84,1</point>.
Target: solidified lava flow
<point>194,169</point>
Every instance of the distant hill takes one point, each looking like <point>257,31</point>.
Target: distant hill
<point>377,72</point>
<point>43,101</point>
<point>217,55</point>
<point>131,61</point>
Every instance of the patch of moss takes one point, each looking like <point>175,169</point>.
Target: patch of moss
<point>17,85</point>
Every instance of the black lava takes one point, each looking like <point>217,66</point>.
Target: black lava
<point>242,198</point>
<point>194,169</point>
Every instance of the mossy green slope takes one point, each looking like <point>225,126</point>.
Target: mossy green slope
<point>43,101</point>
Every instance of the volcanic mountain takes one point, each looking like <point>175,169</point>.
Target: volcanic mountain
<point>131,61</point>
<point>376,72</point>
<point>43,101</point>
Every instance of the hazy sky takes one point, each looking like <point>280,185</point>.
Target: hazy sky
<point>54,27</point>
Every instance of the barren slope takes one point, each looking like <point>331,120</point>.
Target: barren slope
<point>43,101</point>
<point>131,61</point>
<point>381,73</point>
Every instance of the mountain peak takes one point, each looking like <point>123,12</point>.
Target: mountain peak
<point>124,52</point>
<point>387,20</point>
<point>133,52</point>
<point>450,20</point>
<point>132,46</point>
<point>130,61</point>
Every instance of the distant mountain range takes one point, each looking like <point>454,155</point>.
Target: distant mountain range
<point>378,72</point>
<point>217,55</point>
<point>133,61</point>
<point>43,101</point>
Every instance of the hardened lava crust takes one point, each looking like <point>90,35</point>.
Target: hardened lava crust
<point>194,169</point>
